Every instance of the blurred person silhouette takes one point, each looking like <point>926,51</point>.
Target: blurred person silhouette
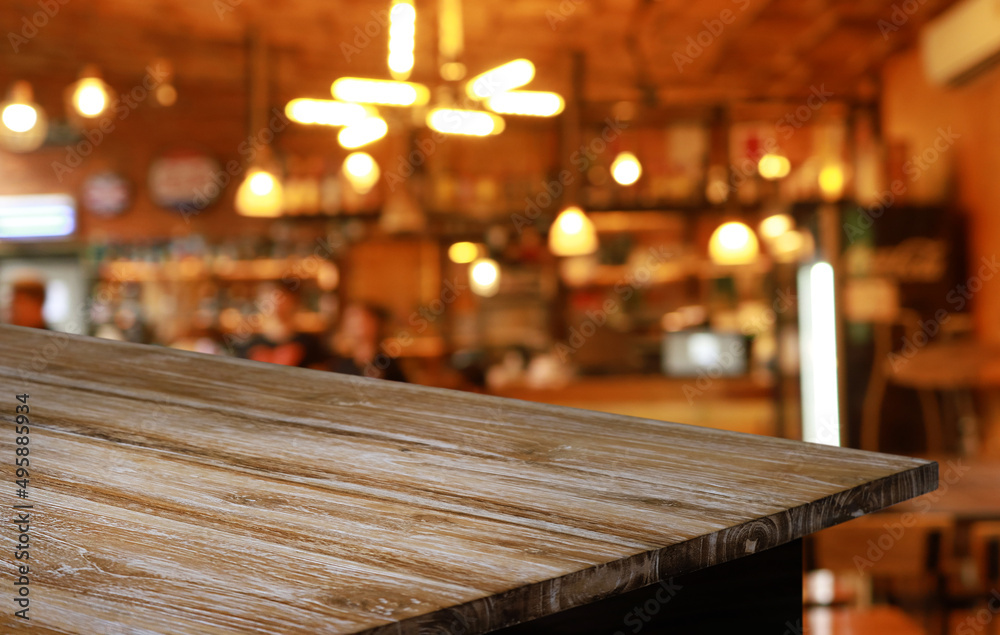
<point>279,340</point>
<point>27,301</point>
<point>357,344</point>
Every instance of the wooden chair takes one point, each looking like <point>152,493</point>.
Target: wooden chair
<point>984,546</point>
<point>889,557</point>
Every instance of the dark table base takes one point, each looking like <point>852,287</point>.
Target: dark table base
<point>761,593</point>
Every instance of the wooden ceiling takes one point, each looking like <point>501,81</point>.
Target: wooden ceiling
<point>771,49</point>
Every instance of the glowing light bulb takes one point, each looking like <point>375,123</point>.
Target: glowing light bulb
<point>260,194</point>
<point>90,98</point>
<point>625,169</point>
<point>362,171</point>
<point>774,166</point>
<point>831,182</point>
<point>775,225</point>
<point>463,252</point>
<point>733,243</point>
<point>19,117</point>
<point>261,183</point>
<point>572,234</point>
<point>484,277</point>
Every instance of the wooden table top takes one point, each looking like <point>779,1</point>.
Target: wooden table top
<point>186,494</point>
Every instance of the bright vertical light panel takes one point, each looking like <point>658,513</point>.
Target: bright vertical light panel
<point>818,355</point>
<point>402,38</point>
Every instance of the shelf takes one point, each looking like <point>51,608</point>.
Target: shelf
<point>194,270</point>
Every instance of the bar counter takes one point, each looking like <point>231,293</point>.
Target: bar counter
<point>179,493</point>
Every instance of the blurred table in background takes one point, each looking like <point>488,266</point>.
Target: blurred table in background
<point>737,404</point>
<point>945,374</point>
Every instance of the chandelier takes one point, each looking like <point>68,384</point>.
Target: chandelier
<point>359,103</point>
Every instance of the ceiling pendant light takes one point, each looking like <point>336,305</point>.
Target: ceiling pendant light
<point>89,96</point>
<point>774,166</point>
<point>361,171</point>
<point>484,277</point>
<point>572,234</point>
<point>626,169</point>
<point>733,243</point>
<point>495,87</point>
<point>260,194</point>
<point>23,124</point>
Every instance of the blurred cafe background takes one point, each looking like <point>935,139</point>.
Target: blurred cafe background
<point>776,217</point>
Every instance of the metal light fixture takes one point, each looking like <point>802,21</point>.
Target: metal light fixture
<point>494,89</point>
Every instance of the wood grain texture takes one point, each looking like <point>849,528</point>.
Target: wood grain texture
<point>185,494</point>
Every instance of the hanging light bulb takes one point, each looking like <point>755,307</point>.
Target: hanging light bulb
<point>24,125</point>
<point>484,277</point>
<point>361,171</point>
<point>831,182</point>
<point>463,252</point>
<point>775,225</point>
<point>90,96</point>
<point>733,243</point>
<point>260,194</point>
<point>774,166</point>
<point>625,169</point>
<point>572,234</point>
